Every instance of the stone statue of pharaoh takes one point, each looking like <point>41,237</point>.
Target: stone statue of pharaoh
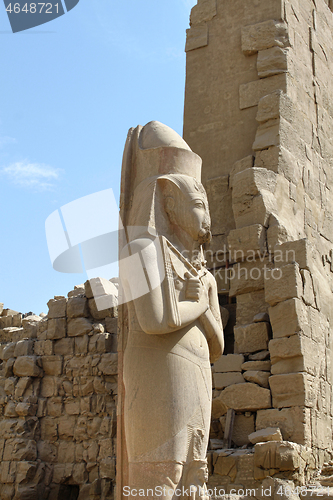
<point>174,323</point>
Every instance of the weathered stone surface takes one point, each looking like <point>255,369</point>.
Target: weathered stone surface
<point>264,35</point>
<point>245,240</point>
<point>109,364</point>
<point>262,365</point>
<point>102,307</point>
<point>52,365</point>
<point>77,307</point>
<point>19,450</point>
<point>299,251</point>
<point>56,328</point>
<point>251,93</point>
<point>272,62</point>
<point>57,308</point>
<point>289,317</point>
<point>296,389</point>
<point>79,326</point>
<point>251,338</point>
<point>7,351</point>
<point>283,284</point>
<point>257,377</point>
<point>99,287</point>
<point>30,326</point>
<point>64,346</point>
<point>294,423</point>
<point>247,303</point>
<point>24,348</point>
<point>196,37</point>
<point>222,380</point>
<point>247,277</point>
<point>26,366</point>
<point>203,11</point>
<point>284,456</point>
<point>268,434</point>
<point>243,426</point>
<point>229,363</point>
<point>246,397</point>
<point>294,354</point>
<point>219,194</point>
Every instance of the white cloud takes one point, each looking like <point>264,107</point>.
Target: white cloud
<point>31,175</point>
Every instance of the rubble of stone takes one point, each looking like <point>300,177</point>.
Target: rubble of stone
<point>58,395</point>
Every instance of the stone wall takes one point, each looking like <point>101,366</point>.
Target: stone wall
<point>58,394</point>
<point>259,112</point>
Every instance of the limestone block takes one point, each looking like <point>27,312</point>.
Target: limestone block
<point>262,365</point>
<point>295,389</point>
<point>243,426</point>
<point>26,409</point>
<point>109,364</point>
<point>239,166</point>
<point>247,303</point>
<point>57,308</point>
<point>205,10</point>
<point>20,449</point>
<point>268,134</point>
<point>103,307</point>
<point>262,317</point>
<point>251,338</point>
<point>277,159</point>
<point>25,471</point>
<point>246,397</point>
<point>272,61</point>
<point>10,385</point>
<point>22,385</point>
<point>295,354</point>
<point>10,410</point>
<point>222,380</point>
<point>49,387</point>
<point>294,423</point>
<point>7,474</point>
<point>264,435</point>
<point>43,347</point>
<point>52,365</point>
<point>196,37</point>
<point>247,277</point>
<point>54,406</point>
<point>6,322</point>
<point>72,407</point>
<point>64,347</point>
<point>30,326</point>
<point>253,181</point>
<point>98,287</point>
<point>107,468</point>
<point>283,284</point>
<point>219,408</point>
<point>56,329</point>
<point>77,307</point>
<point>259,356</point>
<point>264,35</point>
<point>8,351</point>
<point>251,93</point>
<point>229,363</point>
<point>81,344</point>
<point>250,239</point>
<point>8,368</point>
<point>257,377</point>
<point>24,348</point>
<point>277,455</point>
<point>299,251</point>
<point>78,327</point>
<point>251,210</point>
<point>66,426</point>
<point>26,366</point>
<point>289,317</point>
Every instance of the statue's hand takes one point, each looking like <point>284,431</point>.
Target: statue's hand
<point>194,288</point>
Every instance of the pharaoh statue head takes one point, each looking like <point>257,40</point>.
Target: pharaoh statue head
<point>163,183</point>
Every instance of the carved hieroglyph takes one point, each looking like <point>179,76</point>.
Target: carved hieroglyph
<point>170,320</point>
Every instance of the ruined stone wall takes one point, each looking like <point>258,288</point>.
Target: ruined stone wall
<point>58,393</point>
<point>258,110</point>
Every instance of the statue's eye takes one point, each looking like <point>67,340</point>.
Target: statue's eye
<point>199,204</point>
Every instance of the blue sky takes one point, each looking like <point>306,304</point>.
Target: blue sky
<point>71,89</point>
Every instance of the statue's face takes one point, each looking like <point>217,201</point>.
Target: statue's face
<point>192,215</point>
